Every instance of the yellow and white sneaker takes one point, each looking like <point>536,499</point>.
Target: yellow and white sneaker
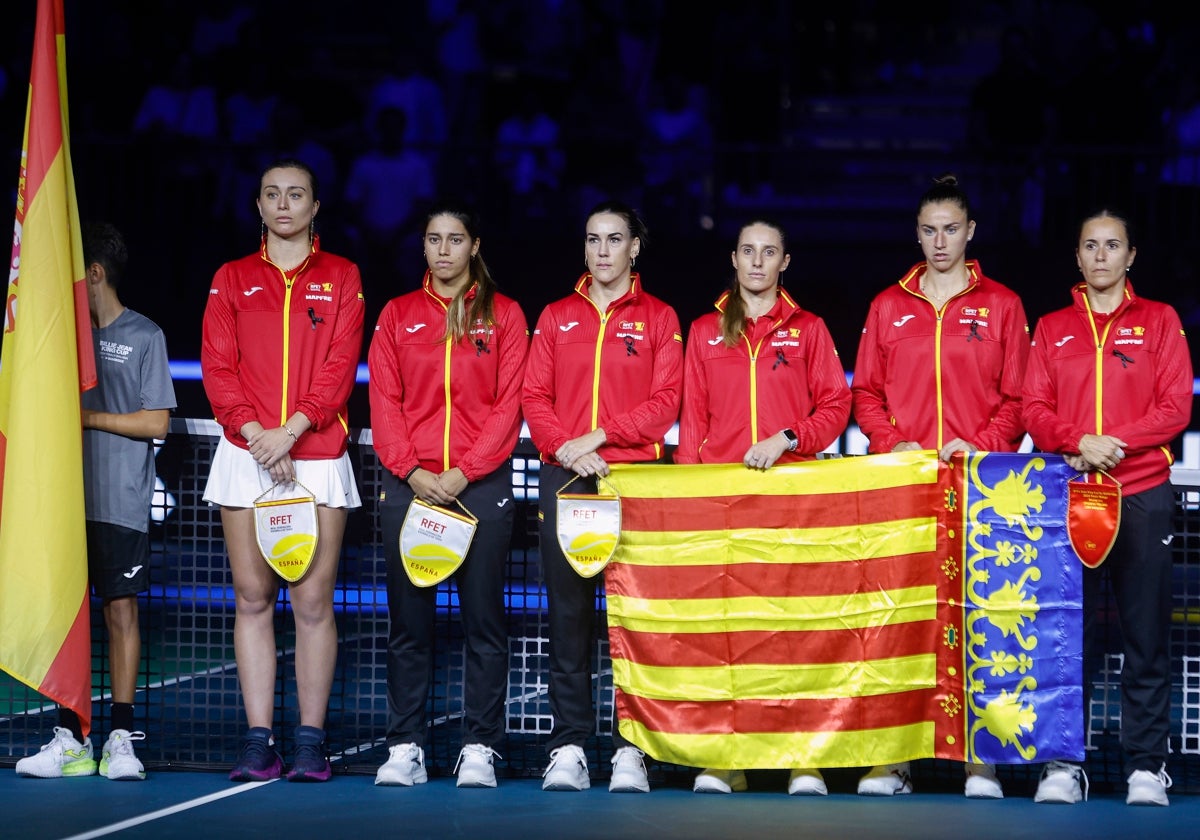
<point>63,756</point>
<point>118,761</point>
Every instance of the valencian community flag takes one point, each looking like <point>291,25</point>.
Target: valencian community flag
<point>848,612</point>
<point>45,360</point>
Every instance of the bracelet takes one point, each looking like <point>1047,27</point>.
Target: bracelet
<point>291,434</point>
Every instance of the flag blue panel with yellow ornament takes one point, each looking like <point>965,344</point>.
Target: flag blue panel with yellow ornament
<point>1022,633</point>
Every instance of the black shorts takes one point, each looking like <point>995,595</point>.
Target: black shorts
<point>118,560</point>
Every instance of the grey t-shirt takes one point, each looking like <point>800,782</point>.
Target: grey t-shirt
<point>132,373</point>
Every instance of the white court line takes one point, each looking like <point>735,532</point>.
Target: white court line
<point>166,812</point>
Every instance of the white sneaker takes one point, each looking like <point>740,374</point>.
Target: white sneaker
<point>568,770</point>
<point>474,766</point>
<point>805,781</point>
<point>118,761</point>
<point>405,766</point>
<point>719,781</point>
<point>63,756</point>
<point>1060,783</point>
<point>1146,788</point>
<point>886,780</point>
<point>629,772</point>
<point>982,782</point>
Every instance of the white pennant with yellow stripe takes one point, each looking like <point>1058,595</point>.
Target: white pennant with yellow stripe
<point>285,525</point>
<point>589,527</point>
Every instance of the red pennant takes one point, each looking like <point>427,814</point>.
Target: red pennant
<point>1093,519</point>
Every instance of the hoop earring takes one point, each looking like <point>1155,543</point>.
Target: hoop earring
<point>632,263</point>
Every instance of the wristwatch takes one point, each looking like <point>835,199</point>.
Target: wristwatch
<point>792,440</point>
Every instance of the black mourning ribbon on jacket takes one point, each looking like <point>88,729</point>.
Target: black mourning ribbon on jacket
<point>1125,360</point>
<point>780,359</point>
<point>312,315</point>
<point>480,347</point>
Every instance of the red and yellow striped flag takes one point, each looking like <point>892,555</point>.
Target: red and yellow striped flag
<point>847,612</point>
<point>45,362</point>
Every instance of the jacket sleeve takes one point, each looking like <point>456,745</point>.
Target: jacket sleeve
<point>537,395</point>
<point>219,359</point>
<point>1172,407</point>
<point>498,438</point>
<point>389,430</point>
<point>1039,403</point>
<point>829,392</point>
<point>650,420</point>
<point>693,415</point>
<point>869,399</point>
<point>331,386</point>
<point>1006,427</point>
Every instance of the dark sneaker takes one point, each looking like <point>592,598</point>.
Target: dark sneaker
<point>310,764</point>
<point>258,761</point>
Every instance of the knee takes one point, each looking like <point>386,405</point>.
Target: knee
<point>312,612</point>
<point>255,603</point>
<point>121,615</point>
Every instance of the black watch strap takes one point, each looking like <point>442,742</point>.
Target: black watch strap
<point>792,440</point>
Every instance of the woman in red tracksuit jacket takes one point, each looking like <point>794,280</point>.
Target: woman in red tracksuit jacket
<point>1109,385</point>
<point>446,364</point>
<point>282,336</point>
<point>762,384</point>
<point>939,367</point>
<point>602,386</point>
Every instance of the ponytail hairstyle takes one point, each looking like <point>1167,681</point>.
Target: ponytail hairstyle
<point>461,315</point>
<point>946,188</point>
<point>733,317</point>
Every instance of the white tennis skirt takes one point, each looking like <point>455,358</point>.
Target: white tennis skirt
<point>235,479</point>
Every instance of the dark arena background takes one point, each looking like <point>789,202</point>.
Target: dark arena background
<point>832,118</point>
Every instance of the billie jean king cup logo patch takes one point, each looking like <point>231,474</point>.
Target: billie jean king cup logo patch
<point>285,525</point>
<point>434,541</point>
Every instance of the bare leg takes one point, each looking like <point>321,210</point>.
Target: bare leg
<point>255,588</point>
<point>125,646</point>
<point>316,631</point>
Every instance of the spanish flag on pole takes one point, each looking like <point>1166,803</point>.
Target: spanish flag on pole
<point>45,361</point>
<point>847,612</point>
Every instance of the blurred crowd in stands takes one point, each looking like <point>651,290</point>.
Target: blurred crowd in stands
<point>535,109</point>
